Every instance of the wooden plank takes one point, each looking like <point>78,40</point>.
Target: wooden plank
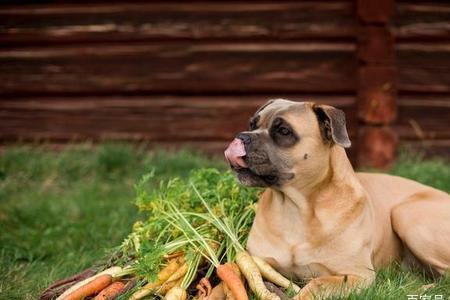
<point>423,68</point>
<point>372,12</point>
<point>425,20</point>
<point>179,68</point>
<point>176,20</point>
<point>212,148</point>
<point>376,94</point>
<point>154,118</point>
<point>423,117</point>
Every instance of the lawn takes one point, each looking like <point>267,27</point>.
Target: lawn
<point>61,212</point>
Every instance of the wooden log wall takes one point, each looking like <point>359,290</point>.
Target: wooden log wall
<point>422,32</point>
<point>177,73</point>
<point>377,86</point>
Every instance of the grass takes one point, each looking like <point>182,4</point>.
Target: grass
<point>60,212</point>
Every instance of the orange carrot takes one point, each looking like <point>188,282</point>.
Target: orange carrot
<point>82,285</point>
<point>111,291</point>
<point>91,288</point>
<point>232,280</point>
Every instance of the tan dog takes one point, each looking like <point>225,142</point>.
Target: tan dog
<point>318,220</point>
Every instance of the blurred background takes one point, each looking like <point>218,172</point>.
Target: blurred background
<point>177,73</point>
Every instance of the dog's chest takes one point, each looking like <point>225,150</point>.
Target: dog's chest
<point>281,238</point>
<point>296,259</point>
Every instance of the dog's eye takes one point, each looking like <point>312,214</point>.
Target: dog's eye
<point>254,123</point>
<point>271,179</point>
<point>283,130</point>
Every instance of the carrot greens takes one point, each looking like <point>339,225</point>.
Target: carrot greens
<point>191,228</point>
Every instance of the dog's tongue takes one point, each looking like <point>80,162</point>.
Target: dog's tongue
<point>234,153</point>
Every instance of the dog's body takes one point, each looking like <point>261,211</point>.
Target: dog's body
<point>320,220</point>
<point>352,226</point>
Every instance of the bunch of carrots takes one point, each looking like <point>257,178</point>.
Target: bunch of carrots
<point>193,237</point>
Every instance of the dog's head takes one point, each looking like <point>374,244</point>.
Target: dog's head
<point>287,142</point>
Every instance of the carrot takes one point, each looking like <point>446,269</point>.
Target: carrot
<point>270,274</point>
<point>173,265</point>
<point>178,273</point>
<point>232,280</point>
<point>176,292</point>
<point>111,291</point>
<point>146,290</point>
<point>91,288</point>
<point>275,289</point>
<point>204,287</point>
<point>166,287</point>
<point>60,286</point>
<point>91,285</point>
<point>251,272</point>
<point>217,293</point>
<point>128,286</point>
<point>163,275</point>
<point>226,289</point>
<point>228,293</point>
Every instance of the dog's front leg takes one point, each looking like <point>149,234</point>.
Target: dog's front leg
<point>326,286</point>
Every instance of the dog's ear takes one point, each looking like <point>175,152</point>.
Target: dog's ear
<point>265,105</point>
<point>332,124</point>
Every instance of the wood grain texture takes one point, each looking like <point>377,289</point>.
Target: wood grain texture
<point>153,118</point>
<point>179,68</point>
<point>423,117</point>
<point>177,20</point>
<point>96,71</point>
<point>424,20</point>
<point>204,122</point>
<point>423,68</point>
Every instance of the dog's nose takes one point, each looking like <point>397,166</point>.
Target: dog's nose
<point>245,138</point>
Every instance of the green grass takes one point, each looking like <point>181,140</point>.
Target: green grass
<point>60,212</point>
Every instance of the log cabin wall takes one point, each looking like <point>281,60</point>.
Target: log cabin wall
<point>178,73</point>
<point>422,48</point>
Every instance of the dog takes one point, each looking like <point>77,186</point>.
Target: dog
<point>321,222</point>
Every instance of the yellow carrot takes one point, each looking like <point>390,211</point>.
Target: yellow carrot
<point>176,293</point>
<point>178,273</point>
<point>251,272</point>
<point>166,287</point>
<point>273,276</point>
<point>163,275</point>
<point>173,265</point>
